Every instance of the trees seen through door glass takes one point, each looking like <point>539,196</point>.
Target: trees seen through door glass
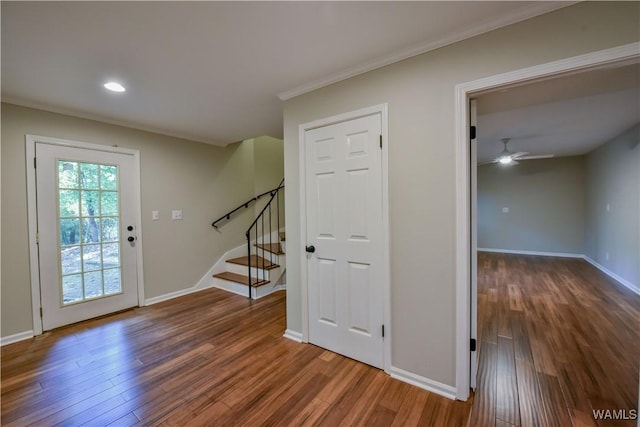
<point>89,230</point>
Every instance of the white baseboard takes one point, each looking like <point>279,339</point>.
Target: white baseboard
<point>16,338</point>
<point>613,275</point>
<point>172,295</point>
<point>208,281</point>
<point>424,383</point>
<point>293,335</point>
<point>538,253</point>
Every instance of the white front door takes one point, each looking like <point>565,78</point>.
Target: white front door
<point>85,206</point>
<point>344,226</point>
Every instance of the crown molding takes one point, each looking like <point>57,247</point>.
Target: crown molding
<point>102,119</point>
<point>537,9</point>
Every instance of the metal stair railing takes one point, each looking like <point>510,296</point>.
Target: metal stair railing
<point>257,228</point>
<point>246,204</point>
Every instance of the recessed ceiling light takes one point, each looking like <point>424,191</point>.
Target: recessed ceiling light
<point>114,87</point>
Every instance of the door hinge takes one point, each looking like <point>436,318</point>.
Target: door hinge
<point>34,163</point>
<point>37,238</point>
<point>473,344</point>
<point>41,312</point>
<point>382,331</point>
<point>472,132</point>
<point>380,141</point>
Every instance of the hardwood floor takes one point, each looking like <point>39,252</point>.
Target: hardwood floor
<point>210,358</point>
<point>557,340</point>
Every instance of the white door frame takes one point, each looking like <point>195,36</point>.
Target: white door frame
<point>30,142</point>
<point>473,262</point>
<point>385,267</point>
<point>463,92</point>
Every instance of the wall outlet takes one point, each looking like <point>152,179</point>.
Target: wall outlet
<point>608,207</point>
<point>176,214</point>
<point>155,215</point>
<point>505,210</point>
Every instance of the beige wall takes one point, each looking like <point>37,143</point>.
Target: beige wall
<point>269,163</point>
<point>202,180</point>
<point>546,202</point>
<point>613,178</point>
<point>420,95</point>
<point>269,170</point>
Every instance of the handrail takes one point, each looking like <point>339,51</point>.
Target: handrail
<point>275,194</point>
<point>245,205</point>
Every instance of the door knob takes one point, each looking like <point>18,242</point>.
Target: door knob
<point>130,228</point>
<point>131,238</point>
<point>311,249</point>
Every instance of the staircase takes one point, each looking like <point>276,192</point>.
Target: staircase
<point>260,270</point>
<point>267,268</point>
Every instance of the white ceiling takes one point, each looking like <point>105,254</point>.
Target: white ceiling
<point>215,71</point>
<point>566,116</point>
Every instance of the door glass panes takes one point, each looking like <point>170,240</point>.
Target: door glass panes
<point>89,230</point>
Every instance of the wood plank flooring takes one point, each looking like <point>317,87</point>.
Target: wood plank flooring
<point>557,340</point>
<point>209,358</point>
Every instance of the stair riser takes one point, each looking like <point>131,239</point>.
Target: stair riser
<point>227,285</point>
<point>267,255</point>
<point>275,237</point>
<point>255,272</point>
<point>240,289</point>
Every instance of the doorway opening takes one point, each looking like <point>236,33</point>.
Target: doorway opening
<point>464,252</point>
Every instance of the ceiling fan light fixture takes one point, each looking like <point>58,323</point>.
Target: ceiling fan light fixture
<point>114,87</point>
<point>505,160</point>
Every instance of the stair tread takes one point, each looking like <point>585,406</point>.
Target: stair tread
<point>274,248</point>
<point>240,278</point>
<point>256,261</point>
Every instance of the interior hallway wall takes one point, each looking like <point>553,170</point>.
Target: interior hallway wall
<point>420,94</point>
<point>613,206</point>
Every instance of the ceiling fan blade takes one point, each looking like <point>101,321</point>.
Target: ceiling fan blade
<point>541,156</point>
<point>487,163</point>
<point>519,154</point>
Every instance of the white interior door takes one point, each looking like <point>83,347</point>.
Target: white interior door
<point>85,205</point>
<point>344,226</point>
<point>473,256</point>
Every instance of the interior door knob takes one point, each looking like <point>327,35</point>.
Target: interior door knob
<point>130,228</point>
<point>311,249</point>
<point>131,238</point>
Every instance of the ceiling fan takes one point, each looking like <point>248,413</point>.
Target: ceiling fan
<point>506,157</point>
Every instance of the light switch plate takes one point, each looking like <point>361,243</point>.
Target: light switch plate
<point>176,214</point>
<point>155,215</point>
